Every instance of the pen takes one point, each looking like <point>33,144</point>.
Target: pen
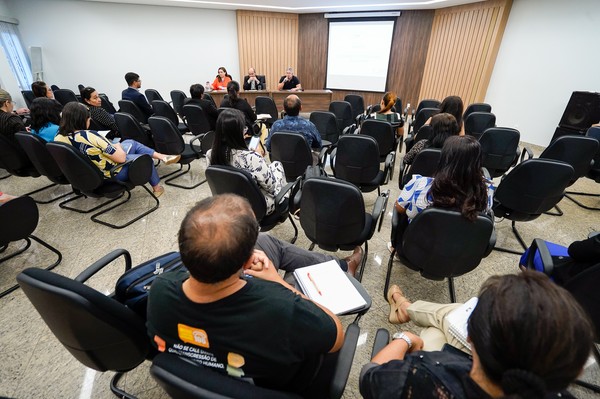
<point>313,283</point>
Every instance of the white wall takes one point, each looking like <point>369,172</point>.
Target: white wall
<point>4,11</point>
<point>95,44</point>
<point>550,48</point>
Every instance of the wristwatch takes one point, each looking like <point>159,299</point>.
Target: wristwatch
<point>401,335</point>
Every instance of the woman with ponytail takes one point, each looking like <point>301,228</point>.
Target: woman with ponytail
<point>233,100</point>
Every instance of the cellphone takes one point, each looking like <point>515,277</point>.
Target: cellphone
<point>254,141</point>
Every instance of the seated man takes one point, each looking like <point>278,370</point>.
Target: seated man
<point>256,327</point>
<point>252,81</point>
<point>289,81</point>
<point>293,122</point>
<point>132,93</point>
<point>197,93</point>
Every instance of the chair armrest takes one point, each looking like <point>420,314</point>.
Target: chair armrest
<point>388,166</point>
<point>284,191</point>
<point>382,338</point>
<point>526,150</point>
<point>103,262</point>
<point>197,138</point>
<point>380,207</point>
<point>540,245</point>
<point>344,362</point>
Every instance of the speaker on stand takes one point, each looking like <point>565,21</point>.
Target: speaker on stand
<point>582,111</point>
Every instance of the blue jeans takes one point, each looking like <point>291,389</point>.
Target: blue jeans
<point>133,149</point>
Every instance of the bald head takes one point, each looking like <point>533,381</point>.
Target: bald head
<point>292,105</point>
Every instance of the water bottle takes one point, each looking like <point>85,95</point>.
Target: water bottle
<point>207,87</point>
<point>259,87</point>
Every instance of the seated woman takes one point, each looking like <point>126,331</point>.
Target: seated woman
<point>222,79</point>
<point>10,122</point>
<point>385,112</point>
<point>518,348</point>
<point>99,115</point>
<point>104,154</point>
<point>229,148</point>
<point>443,126</point>
<point>233,100</point>
<point>40,89</point>
<point>45,117</point>
<point>453,105</point>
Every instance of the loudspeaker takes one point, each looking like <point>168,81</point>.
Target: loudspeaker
<point>582,111</point>
<point>564,131</point>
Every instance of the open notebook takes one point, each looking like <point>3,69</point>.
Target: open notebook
<point>328,285</point>
<point>457,321</point>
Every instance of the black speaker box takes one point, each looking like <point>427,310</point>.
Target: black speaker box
<point>582,111</point>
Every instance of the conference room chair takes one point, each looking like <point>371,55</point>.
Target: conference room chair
<point>87,179</point>
<point>357,103</point>
<point>20,218</point>
<point>266,105</point>
<point>477,107</point>
<point>440,244</point>
<point>355,159</point>
<point>162,108</point>
<point>425,164</point>
<point>153,95</point>
<point>326,124</point>
<point>196,119</point>
<point>343,114</point>
<point>132,109</point>
<point>184,380</point>
<point>231,180</point>
<point>333,216</point>
<point>168,140</point>
<point>28,97</point>
<point>593,173</point>
<point>96,329</point>
<point>425,132</point>
<point>528,190</point>
<point>292,150</point>
<point>416,123</point>
<point>427,103</point>
<point>208,97</point>
<point>477,123</point>
<point>106,104</point>
<point>130,128</point>
<point>384,133</point>
<point>178,97</point>
<point>65,96</point>
<point>499,149</point>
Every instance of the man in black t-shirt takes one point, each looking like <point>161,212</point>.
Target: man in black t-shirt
<point>289,81</point>
<point>258,327</point>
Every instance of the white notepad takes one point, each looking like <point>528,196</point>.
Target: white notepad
<point>263,116</point>
<point>457,321</point>
<point>328,285</point>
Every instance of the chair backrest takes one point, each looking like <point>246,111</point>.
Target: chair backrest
<point>196,119</point>
<point>422,116</point>
<point>425,132</point>
<point>577,151</point>
<point>356,158</point>
<point>167,139</point>
<point>65,96</point>
<point>22,215</point>
<point>106,104</point>
<point>323,219</point>
<point>228,179</point>
<point>477,107</point>
<point>424,164</point>
<point>326,124</point>
<point>153,95</point>
<point>129,128</point>
<point>131,108</point>
<point>533,187</point>
<point>594,132</point>
<point>178,97</point>
<point>35,148</point>
<point>357,103</point>
<point>292,150</point>
<point>14,159</point>
<point>266,105</point>
<point>77,167</point>
<point>343,113</point>
<point>584,287</point>
<point>442,243</point>
<point>478,122</point>
<point>208,97</point>
<point>499,146</point>
<point>97,330</point>
<point>28,97</point>
<point>428,103</point>
<point>383,133</point>
<point>162,108</point>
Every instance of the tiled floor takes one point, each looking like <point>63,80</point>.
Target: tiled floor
<point>34,365</point>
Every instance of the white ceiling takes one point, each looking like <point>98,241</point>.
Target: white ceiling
<point>302,6</point>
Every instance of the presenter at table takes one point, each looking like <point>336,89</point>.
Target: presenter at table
<point>252,81</point>
<point>289,81</point>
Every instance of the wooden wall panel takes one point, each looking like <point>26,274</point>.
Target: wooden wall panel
<point>462,50</point>
<point>312,50</point>
<point>267,41</point>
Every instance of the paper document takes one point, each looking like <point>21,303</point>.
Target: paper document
<point>263,116</point>
<point>457,321</point>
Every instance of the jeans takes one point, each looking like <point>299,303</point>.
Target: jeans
<point>133,149</point>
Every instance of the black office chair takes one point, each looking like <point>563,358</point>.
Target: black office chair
<point>196,119</point>
<point>65,96</point>
<point>208,97</point>
<point>326,124</point>
<point>231,180</point>
<point>357,103</point>
<point>132,109</point>
<point>86,178</point>
<point>499,149</point>
<point>28,97</point>
<point>593,173</point>
<point>424,164</point>
<point>478,122</point>
<point>383,133</point>
<point>356,160</point>
<point>440,243</point>
<point>153,95</point>
<point>427,103</point>
<point>106,104</point>
<point>130,128</point>
<point>178,97</point>
<point>162,108</point>
<point>20,218</point>
<point>333,216</point>
<point>422,116</point>
<point>531,188</point>
<point>266,105</point>
<point>182,379</point>
<point>292,150</point>
<point>97,330</point>
<point>477,107</point>
<point>343,113</point>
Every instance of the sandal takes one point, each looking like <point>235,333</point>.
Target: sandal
<point>396,316</point>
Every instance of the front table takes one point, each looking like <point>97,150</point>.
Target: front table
<point>312,100</point>
<point>250,95</point>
